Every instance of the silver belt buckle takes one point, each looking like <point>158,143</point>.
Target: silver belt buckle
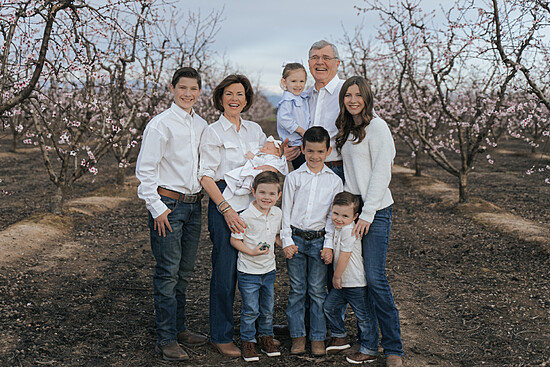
<point>190,198</point>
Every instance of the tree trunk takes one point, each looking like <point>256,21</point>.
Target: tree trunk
<point>14,143</point>
<point>417,165</point>
<point>463,196</point>
<point>120,176</point>
<point>56,203</point>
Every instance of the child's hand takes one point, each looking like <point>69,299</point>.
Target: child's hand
<point>258,251</point>
<point>249,155</point>
<point>290,251</point>
<point>337,282</point>
<point>326,254</point>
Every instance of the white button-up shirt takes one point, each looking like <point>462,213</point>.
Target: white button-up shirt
<point>169,156</point>
<point>222,148</point>
<point>345,241</point>
<point>259,228</point>
<point>324,109</point>
<point>307,198</point>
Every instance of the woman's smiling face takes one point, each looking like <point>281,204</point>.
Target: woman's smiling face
<point>233,99</point>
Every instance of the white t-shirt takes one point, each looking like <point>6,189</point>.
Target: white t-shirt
<point>259,228</point>
<point>354,275</point>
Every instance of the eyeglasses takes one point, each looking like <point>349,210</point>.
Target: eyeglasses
<point>316,58</point>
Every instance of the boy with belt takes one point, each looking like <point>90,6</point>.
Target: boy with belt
<point>167,167</point>
<point>307,197</point>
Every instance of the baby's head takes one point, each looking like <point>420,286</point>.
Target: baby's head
<point>272,146</point>
<point>345,209</point>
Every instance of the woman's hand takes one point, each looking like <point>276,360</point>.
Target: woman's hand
<point>265,167</point>
<point>234,222</point>
<point>361,228</point>
<point>290,153</point>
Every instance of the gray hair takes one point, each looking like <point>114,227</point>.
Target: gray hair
<point>322,44</point>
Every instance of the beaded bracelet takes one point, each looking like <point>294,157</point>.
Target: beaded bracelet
<point>224,210</point>
<point>220,204</point>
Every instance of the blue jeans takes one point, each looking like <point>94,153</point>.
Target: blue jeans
<point>257,298</point>
<point>357,298</point>
<point>175,257</point>
<point>224,276</point>
<point>379,295</point>
<point>339,170</point>
<point>307,271</point>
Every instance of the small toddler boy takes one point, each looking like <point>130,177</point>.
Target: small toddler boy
<point>256,265</point>
<point>349,284</point>
<point>307,197</point>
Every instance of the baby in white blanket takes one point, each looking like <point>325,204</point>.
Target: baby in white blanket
<point>239,181</point>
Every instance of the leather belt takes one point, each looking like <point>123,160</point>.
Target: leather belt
<point>307,235</point>
<point>184,198</point>
<point>334,164</point>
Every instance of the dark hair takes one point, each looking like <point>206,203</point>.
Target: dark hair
<point>266,177</point>
<point>233,79</point>
<point>345,122</point>
<point>316,134</point>
<point>291,66</point>
<point>345,198</point>
<point>186,72</point>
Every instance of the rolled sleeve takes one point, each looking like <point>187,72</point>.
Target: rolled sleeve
<point>210,153</point>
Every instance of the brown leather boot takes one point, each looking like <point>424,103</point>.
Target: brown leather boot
<point>172,352</point>
<point>394,361</point>
<point>227,349</point>
<point>298,345</point>
<point>337,344</point>
<point>318,348</point>
<point>190,339</point>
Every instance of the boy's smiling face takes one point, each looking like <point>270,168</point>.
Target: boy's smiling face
<point>315,154</point>
<point>266,195</point>
<point>342,215</point>
<point>186,92</point>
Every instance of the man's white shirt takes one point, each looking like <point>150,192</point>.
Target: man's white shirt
<point>324,108</point>
<point>169,156</point>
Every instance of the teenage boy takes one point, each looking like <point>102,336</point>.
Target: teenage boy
<point>349,285</point>
<point>256,265</point>
<point>167,168</point>
<point>307,197</point>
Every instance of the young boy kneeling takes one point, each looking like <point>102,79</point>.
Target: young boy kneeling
<point>256,265</point>
<point>349,285</point>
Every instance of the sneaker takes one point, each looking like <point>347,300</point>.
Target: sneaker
<point>249,352</point>
<point>298,345</point>
<point>318,348</point>
<point>337,344</point>
<point>359,358</point>
<point>268,346</point>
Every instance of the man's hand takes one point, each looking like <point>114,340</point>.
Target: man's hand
<point>290,251</point>
<point>361,228</point>
<point>290,153</point>
<point>161,223</point>
<point>326,254</point>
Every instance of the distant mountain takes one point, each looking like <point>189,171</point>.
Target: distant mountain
<point>272,97</point>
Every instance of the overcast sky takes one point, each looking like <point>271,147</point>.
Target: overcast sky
<point>257,36</point>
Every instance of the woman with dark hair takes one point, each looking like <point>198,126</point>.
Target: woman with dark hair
<point>367,148</point>
<point>222,149</point>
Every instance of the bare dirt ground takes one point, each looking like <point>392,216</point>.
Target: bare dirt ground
<point>77,290</point>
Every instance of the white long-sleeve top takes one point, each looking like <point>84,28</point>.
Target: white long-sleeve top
<point>367,167</point>
<point>169,156</point>
<point>223,149</point>
<point>324,108</point>
<point>307,198</point>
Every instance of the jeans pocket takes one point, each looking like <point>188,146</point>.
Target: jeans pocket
<point>169,202</point>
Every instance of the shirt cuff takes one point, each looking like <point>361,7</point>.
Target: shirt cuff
<point>157,208</point>
<point>366,216</point>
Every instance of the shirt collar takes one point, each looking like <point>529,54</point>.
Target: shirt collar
<point>330,87</point>
<point>305,168</point>
<point>258,213</point>
<point>226,124</point>
<point>298,100</point>
<point>181,112</point>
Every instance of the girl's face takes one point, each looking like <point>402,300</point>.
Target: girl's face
<point>295,81</point>
<point>353,100</point>
<point>233,99</point>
